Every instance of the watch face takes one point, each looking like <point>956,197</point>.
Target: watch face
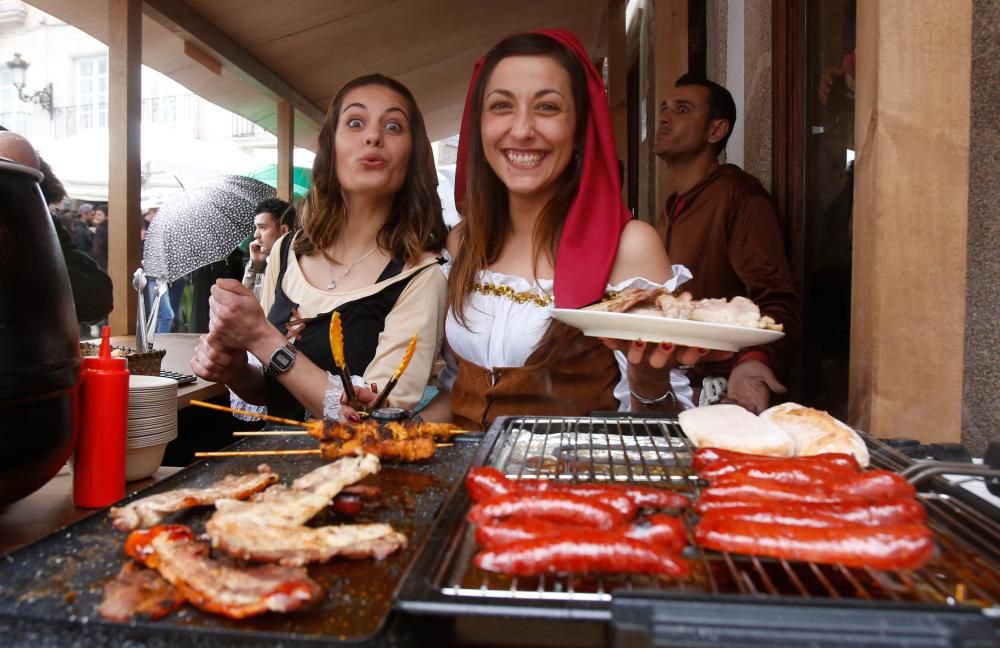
<point>282,360</point>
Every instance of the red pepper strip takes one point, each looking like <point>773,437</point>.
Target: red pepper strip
<point>840,514</point>
<point>898,546</point>
<point>484,483</point>
<point>705,457</point>
<point>661,530</point>
<point>790,471</point>
<point>874,485</point>
<point>562,508</point>
<point>581,552</point>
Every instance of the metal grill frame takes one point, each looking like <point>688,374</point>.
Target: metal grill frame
<point>964,531</point>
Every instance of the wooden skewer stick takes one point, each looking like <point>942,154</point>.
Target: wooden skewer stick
<point>265,433</point>
<point>274,453</point>
<point>257,453</point>
<point>266,417</point>
<point>261,433</point>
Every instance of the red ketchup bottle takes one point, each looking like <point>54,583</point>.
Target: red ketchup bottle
<point>99,462</point>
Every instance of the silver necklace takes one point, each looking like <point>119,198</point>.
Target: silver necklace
<point>333,282</point>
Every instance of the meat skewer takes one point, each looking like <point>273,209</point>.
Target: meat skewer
<point>393,441</point>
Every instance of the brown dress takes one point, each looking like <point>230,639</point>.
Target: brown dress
<point>581,379</point>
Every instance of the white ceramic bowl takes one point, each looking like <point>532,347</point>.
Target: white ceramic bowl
<point>143,462</point>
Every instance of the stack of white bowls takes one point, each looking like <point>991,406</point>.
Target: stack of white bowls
<point>152,423</point>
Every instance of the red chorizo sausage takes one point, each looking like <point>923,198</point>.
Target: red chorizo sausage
<point>584,552</point>
<point>562,508</point>
<point>484,483</point>
<point>898,546</point>
<point>641,496</point>
<point>661,530</point>
<point>791,471</point>
<point>839,514</point>
<point>705,457</point>
<point>873,485</point>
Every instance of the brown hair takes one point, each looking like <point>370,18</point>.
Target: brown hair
<point>415,224</point>
<point>486,213</point>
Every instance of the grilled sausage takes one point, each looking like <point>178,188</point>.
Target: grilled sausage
<point>484,482</point>
<point>791,471</point>
<point>705,457</point>
<point>873,485</point>
<point>898,546</point>
<point>840,514</point>
<point>581,552</point>
<point>561,508</point>
<point>661,530</point>
<point>641,496</point>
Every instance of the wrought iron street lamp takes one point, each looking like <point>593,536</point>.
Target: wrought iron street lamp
<point>43,97</point>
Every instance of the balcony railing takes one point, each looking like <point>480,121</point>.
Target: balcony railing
<point>243,127</point>
<point>70,120</point>
<point>16,121</point>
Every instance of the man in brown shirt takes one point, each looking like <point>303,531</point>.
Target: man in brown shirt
<point>721,224</point>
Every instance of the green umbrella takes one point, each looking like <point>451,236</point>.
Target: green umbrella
<point>301,177</point>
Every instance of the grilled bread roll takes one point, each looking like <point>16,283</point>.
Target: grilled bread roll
<point>816,432</point>
<point>733,428</point>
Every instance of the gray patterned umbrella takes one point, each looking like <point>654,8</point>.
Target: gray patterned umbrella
<point>202,225</point>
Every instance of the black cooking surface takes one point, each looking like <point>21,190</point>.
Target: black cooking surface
<point>60,578</point>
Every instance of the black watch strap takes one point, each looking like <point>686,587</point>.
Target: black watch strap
<point>282,360</point>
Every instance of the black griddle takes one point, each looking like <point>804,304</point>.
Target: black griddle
<point>50,590</point>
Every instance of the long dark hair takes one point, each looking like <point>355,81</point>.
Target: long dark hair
<point>486,213</point>
<point>415,224</point>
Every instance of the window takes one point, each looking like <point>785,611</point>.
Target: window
<point>13,112</point>
<point>92,92</point>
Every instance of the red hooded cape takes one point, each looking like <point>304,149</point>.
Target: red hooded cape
<point>597,216</point>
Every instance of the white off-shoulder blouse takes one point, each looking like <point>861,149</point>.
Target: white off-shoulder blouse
<point>506,317</point>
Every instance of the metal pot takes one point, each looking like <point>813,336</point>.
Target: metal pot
<point>39,341</point>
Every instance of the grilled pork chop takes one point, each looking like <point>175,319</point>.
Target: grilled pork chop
<point>149,511</point>
<point>270,526</point>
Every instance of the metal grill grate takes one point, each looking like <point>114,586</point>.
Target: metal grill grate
<point>965,571</point>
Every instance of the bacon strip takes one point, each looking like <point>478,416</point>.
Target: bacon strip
<point>215,587</point>
<point>139,592</point>
<point>149,511</point>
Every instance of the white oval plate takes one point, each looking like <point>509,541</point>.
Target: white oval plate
<point>649,328</point>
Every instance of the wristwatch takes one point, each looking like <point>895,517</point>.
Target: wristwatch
<point>282,360</point>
